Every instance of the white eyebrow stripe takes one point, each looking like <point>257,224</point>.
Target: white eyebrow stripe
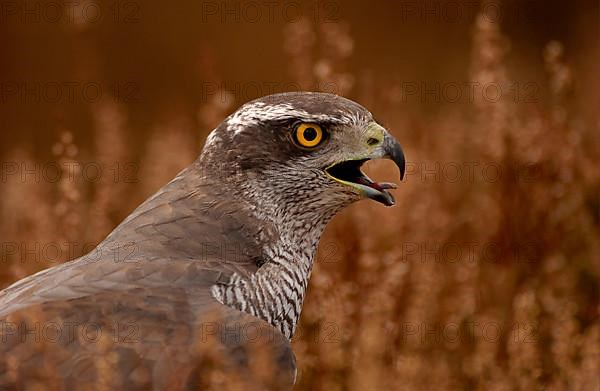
<point>356,117</point>
<point>254,113</point>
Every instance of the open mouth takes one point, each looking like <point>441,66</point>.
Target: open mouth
<point>349,173</point>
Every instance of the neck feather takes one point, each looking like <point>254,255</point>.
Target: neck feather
<point>275,293</point>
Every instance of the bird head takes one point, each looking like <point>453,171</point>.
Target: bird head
<point>303,148</point>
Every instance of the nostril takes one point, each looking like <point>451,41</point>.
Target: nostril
<point>373,141</point>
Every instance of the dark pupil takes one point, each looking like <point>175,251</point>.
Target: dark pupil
<point>310,134</point>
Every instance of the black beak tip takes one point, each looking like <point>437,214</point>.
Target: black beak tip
<point>398,157</point>
<point>393,150</point>
<point>402,167</point>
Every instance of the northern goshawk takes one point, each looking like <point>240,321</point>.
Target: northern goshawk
<point>209,274</point>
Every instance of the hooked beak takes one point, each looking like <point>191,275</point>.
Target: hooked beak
<point>348,172</point>
<point>393,151</point>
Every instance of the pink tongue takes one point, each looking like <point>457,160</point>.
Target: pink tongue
<point>374,185</point>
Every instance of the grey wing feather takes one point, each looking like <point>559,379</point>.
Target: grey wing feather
<point>146,291</point>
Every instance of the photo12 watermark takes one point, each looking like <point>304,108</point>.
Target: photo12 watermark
<point>428,12</point>
<point>468,92</point>
<point>76,12</point>
<point>67,91</point>
<point>236,12</point>
<point>434,333</point>
<point>49,253</point>
<point>469,252</point>
<point>71,171</point>
<point>64,333</point>
<point>469,172</point>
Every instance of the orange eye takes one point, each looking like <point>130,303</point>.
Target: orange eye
<point>309,135</point>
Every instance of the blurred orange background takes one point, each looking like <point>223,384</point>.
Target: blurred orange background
<point>486,273</point>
